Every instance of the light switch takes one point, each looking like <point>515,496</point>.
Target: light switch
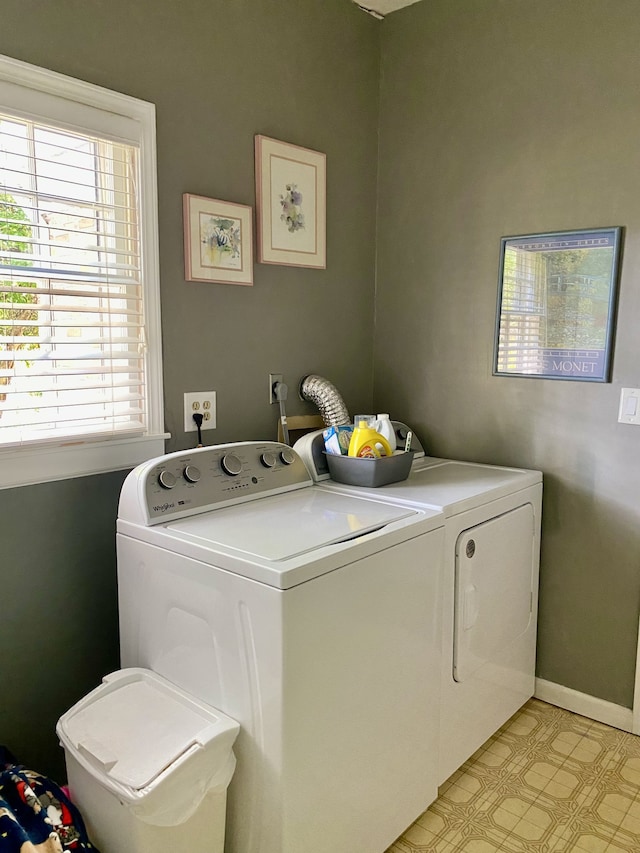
<point>629,412</point>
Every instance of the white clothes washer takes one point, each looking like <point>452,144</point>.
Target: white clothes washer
<point>310,617</point>
<point>490,586</point>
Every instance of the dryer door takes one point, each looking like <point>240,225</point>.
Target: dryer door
<point>493,589</point>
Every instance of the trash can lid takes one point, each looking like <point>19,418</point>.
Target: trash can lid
<point>136,724</point>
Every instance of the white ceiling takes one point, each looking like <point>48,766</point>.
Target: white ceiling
<point>383,7</point>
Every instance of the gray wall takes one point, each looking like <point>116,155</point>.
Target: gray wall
<point>219,71</point>
<point>498,118</point>
<point>58,607</point>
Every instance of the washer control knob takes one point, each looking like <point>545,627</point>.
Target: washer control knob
<point>191,474</point>
<point>231,464</point>
<point>288,457</point>
<point>166,479</point>
<point>268,459</point>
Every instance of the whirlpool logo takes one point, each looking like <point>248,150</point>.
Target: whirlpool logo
<point>163,507</point>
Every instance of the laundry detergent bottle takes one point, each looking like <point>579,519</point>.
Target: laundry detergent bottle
<point>384,426</point>
<point>365,441</point>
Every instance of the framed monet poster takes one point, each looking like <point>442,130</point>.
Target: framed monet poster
<point>557,297</point>
<point>291,204</point>
<point>218,241</point>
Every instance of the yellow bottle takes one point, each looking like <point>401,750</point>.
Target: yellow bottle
<point>364,440</point>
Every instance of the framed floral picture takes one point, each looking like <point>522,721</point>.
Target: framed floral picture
<point>218,241</point>
<point>291,204</point>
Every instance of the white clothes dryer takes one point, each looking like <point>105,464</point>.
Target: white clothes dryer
<point>490,585</point>
<point>309,616</point>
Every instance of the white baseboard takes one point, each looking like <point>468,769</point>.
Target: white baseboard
<point>585,705</point>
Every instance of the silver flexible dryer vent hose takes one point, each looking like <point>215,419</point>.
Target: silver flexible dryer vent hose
<point>327,398</point>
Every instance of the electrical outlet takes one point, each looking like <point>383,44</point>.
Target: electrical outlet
<point>273,378</point>
<point>203,402</point>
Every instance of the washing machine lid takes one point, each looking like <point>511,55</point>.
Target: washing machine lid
<point>290,525</point>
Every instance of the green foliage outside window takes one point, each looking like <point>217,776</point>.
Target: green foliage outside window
<point>578,286</point>
<point>24,320</point>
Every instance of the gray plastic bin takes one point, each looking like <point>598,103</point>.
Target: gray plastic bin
<point>363,471</point>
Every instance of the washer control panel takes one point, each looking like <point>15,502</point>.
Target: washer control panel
<point>189,481</point>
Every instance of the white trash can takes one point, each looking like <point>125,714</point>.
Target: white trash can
<point>148,765</point>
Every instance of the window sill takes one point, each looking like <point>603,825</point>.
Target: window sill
<point>26,466</point>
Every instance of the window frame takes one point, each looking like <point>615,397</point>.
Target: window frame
<point>124,117</point>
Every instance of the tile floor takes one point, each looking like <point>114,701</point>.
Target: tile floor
<point>548,782</point>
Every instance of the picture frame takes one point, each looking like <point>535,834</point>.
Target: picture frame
<point>557,297</point>
<point>290,204</point>
<point>218,240</point>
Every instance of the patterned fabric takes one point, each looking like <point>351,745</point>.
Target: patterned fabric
<point>36,816</point>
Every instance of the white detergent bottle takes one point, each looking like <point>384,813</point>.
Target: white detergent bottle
<point>384,426</point>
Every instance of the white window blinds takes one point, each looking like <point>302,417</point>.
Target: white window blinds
<point>72,360</point>
<point>522,318</point>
